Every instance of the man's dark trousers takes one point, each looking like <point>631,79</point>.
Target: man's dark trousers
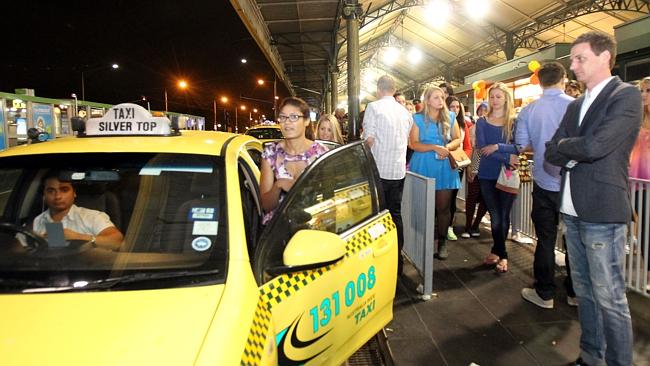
<point>546,208</point>
<point>392,190</point>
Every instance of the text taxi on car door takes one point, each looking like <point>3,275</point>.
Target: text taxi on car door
<point>196,279</point>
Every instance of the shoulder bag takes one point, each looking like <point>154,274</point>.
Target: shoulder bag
<point>508,180</point>
<point>458,159</point>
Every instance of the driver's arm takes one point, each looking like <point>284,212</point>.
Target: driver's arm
<point>109,238</point>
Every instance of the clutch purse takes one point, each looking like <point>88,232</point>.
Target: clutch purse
<point>458,159</point>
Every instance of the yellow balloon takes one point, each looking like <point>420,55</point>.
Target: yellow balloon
<point>533,65</point>
<point>475,84</point>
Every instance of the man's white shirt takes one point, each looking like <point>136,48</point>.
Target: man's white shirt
<point>566,206</point>
<point>79,219</point>
<point>389,123</point>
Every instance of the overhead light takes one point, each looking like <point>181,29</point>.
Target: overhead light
<point>368,77</point>
<point>476,9</point>
<point>390,55</point>
<point>115,66</point>
<point>243,60</point>
<point>437,12</point>
<point>414,55</point>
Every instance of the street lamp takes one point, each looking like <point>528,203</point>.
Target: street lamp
<point>144,99</point>
<point>275,86</point>
<point>275,93</point>
<point>76,107</point>
<point>243,108</point>
<point>182,84</point>
<point>224,100</point>
<point>83,81</point>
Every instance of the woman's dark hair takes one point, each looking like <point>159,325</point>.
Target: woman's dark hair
<point>460,117</point>
<point>576,85</point>
<point>296,102</point>
<point>447,87</point>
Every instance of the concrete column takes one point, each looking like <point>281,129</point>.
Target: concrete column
<point>334,90</point>
<point>325,101</point>
<point>352,11</point>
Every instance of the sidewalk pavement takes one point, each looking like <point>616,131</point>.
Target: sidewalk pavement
<point>478,316</point>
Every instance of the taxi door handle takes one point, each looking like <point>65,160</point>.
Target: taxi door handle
<point>383,247</point>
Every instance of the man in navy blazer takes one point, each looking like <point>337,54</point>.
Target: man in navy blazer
<point>592,145</point>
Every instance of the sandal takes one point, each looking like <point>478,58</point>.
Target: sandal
<point>502,266</point>
<point>491,259</point>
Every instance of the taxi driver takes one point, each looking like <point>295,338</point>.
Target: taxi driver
<point>79,223</point>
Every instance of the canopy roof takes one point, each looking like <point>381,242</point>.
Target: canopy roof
<point>306,39</point>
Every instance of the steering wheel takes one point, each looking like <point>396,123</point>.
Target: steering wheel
<point>35,242</point>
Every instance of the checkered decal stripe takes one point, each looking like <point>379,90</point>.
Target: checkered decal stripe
<point>257,336</point>
<point>287,284</point>
<point>279,289</point>
<point>362,238</point>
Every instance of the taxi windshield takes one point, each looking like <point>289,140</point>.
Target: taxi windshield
<point>168,210</point>
<point>267,133</point>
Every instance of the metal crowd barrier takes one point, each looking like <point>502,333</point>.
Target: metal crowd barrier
<point>636,260</point>
<point>418,218</point>
<point>522,228</point>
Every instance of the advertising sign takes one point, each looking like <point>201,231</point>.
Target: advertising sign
<point>42,117</point>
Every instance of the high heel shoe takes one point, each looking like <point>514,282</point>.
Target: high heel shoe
<point>491,259</point>
<point>502,266</point>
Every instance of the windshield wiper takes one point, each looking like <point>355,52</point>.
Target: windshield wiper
<point>17,282</point>
<point>131,278</point>
<point>30,286</point>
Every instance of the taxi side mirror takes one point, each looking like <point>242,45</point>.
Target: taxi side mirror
<point>313,247</point>
<point>310,249</point>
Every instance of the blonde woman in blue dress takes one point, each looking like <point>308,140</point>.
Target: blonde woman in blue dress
<point>433,135</point>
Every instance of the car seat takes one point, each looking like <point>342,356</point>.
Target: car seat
<point>97,197</point>
<point>184,227</point>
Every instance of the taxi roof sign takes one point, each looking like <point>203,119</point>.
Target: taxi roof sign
<point>128,119</point>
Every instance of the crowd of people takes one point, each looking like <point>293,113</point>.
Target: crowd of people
<point>587,136</point>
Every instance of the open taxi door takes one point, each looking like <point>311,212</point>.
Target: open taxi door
<point>327,262</point>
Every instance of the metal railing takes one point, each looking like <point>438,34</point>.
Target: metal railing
<point>636,260</point>
<point>522,228</point>
<point>418,218</point>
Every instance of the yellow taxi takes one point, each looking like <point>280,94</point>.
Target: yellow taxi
<point>197,280</point>
<point>266,132</point>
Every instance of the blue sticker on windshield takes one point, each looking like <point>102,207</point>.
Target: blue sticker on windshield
<point>201,244</point>
<point>202,213</point>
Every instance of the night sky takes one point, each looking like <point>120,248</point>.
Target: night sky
<point>48,43</point>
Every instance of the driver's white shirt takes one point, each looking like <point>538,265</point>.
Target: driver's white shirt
<point>79,219</point>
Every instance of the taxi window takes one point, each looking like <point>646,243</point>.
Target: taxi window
<point>334,195</point>
<point>338,195</point>
<point>170,209</point>
<point>8,178</point>
<point>265,133</point>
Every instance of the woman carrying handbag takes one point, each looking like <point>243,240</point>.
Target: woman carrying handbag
<point>433,135</point>
<point>494,134</point>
